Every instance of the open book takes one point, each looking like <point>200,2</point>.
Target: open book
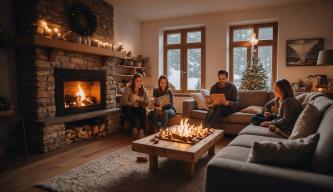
<point>214,98</point>
<point>163,100</point>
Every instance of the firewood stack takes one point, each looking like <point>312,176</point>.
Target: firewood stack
<point>85,132</point>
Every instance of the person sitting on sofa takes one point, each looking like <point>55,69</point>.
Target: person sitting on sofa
<point>134,102</point>
<point>165,111</point>
<point>223,86</point>
<point>280,114</point>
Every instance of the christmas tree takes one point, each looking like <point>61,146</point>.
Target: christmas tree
<point>254,77</point>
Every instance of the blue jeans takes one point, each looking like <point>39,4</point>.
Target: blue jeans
<point>260,117</point>
<point>165,117</point>
<point>216,113</point>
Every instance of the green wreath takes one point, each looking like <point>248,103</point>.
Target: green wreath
<point>82,20</point>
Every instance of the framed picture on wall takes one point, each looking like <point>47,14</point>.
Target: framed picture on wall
<point>303,52</point>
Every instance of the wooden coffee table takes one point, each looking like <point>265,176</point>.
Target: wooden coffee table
<point>175,150</point>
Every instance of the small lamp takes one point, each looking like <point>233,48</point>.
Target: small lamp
<point>325,57</point>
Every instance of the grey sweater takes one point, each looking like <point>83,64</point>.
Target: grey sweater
<point>288,112</point>
<point>230,92</point>
<point>126,99</point>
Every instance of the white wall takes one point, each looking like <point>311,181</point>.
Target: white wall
<point>296,21</point>
<point>128,31</point>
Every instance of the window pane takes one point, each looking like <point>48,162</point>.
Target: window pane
<point>194,37</point>
<point>265,54</point>
<point>243,34</point>
<point>266,33</point>
<point>173,63</point>
<point>194,69</point>
<point>173,38</point>
<point>239,64</point>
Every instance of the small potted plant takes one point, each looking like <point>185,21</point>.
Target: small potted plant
<point>5,107</point>
<point>140,60</point>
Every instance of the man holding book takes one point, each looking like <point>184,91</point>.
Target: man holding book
<point>223,99</point>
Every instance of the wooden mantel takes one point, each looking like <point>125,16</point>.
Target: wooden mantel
<point>54,45</point>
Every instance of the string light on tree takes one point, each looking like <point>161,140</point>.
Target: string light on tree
<point>254,77</point>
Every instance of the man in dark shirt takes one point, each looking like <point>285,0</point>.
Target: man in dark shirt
<point>223,86</point>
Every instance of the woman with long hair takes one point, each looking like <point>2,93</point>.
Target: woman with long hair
<point>166,111</point>
<point>134,102</point>
<point>280,114</point>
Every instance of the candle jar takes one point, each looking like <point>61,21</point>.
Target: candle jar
<point>48,32</point>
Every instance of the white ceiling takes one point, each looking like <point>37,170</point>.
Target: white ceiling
<point>146,10</point>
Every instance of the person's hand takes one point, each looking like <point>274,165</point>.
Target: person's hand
<point>272,128</point>
<point>156,103</point>
<point>265,124</point>
<point>266,114</point>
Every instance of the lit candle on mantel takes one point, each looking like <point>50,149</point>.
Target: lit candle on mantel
<point>48,32</point>
<point>56,33</point>
<point>41,27</point>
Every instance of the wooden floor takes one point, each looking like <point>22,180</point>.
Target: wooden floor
<point>42,167</point>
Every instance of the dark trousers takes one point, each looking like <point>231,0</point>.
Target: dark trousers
<point>215,113</point>
<point>260,117</point>
<point>132,113</point>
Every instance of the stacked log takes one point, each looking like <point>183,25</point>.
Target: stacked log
<point>85,132</point>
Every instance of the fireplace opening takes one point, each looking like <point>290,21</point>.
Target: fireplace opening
<point>79,91</point>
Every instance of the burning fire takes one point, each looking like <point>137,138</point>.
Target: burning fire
<point>81,96</point>
<point>185,132</point>
<point>80,99</point>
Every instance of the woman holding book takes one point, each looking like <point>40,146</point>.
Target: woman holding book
<point>280,114</point>
<point>163,103</point>
<point>221,107</point>
<point>134,102</point>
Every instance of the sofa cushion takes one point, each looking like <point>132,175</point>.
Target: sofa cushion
<point>238,117</point>
<point>322,103</point>
<point>248,140</point>
<point>306,123</point>
<point>198,114</point>
<point>234,153</point>
<point>257,130</point>
<point>253,109</point>
<point>200,100</point>
<point>323,155</point>
<point>290,153</point>
<point>253,97</point>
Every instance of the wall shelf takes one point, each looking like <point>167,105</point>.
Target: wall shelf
<point>54,45</point>
<point>132,67</point>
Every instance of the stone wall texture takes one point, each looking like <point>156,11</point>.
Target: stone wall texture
<point>36,81</point>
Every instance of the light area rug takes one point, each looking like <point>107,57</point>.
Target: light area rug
<point>120,172</point>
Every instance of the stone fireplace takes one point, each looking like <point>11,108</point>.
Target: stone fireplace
<point>60,82</point>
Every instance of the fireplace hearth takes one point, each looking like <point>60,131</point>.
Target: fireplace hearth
<point>79,91</point>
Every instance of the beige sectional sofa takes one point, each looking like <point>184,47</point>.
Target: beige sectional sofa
<point>234,123</point>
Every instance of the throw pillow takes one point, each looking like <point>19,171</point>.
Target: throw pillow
<point>200,101</point>
<point>290,153</point>
<point>253,109</point>
<point>306,123</point>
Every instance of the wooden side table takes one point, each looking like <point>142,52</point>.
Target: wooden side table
<point>17,118</point>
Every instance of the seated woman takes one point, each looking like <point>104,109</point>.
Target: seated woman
<point>280,114</point>
<point>134,102</point>
<point>165,111</point>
